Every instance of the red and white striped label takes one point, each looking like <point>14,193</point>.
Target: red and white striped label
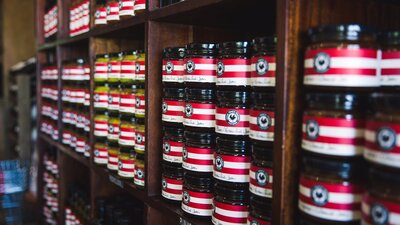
<point>382,143</point>
<point>329,201</point>
<point>232,121</point>
<point>255,221</point>
<point>261,179</point>
<point>341,67</point>
<point>263,69</point>
<point>197,203</point>
<point>114,70</point>
<point>140,4</point>
<point>225,214</point>
<point>173,71</point>
<point>200,70</point>
<point>72,143</point>
<point>140,105</point>
<point>126,8</point>
<point>140,73</point>
<point>199,115</point>
<point>376,211</point>
<point>66,137</point>
<point>100,99</point>
<point>113,130</point>
<point>233,72</point>
<point>112,163</point>
<point>87,98</point>
<point>333,136</point>
<point>100,155</point>
<point>139,175</point>
<point>140,143</point>
<point>172,111</point>
<point>100,70</point>
<point>126,168</point>
<point>171,188</point>
<point>390,68</point>
<point>127,136</point>
<point>100,16</point>
<point>112,11</point>
<point>113,101</point>
<point>127,103</point>
<point>80,145</point>
<point>87,149</point>
<point>128,70</point>
<point>198,159</point>
<point>172,151</point>
<point>100,128</point>
<point>87,123</point>
<point>262,125</point>
<point>231,168</point>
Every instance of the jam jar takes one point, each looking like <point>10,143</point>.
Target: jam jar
<point>171,182</point>
<point>100,15</point>
<point>381,203</point>
<point>173,142</point>
<point>263,63</point>
<point>126,163</point>
<point>140,129</point>
<point>197,195</point>
<point>126,8</point>
<point>260,211</point>
<point>200,65</point>
<point>232,114</point>
<point>114,67</point>
<point>140,111</point>
<point>127,102</point>
<point>113,152</point>
<point>127,135</point>
<point>234,66</point>
<point>140,64</point>
<point>100,153</point>
<point>198,152</point>
<point>261,173</point>
<point>140,6</point>
<point>341,57</point>
<point>100,98</point>
<point>382,145</point>
<point>330,190</point>
<point>112,11</point>
<point>101,68</point>
<point>199,112</point>
<point>173,67</point>
<point>101,126</point>
<point>333,124</point>
<point>113,99</point>
<point>139,179</point>
<point>128,67</point>
<point>389,65</point>
<point>231,205</point>
<point>113,129</point>
<point>262,117</point>
<point>173,106</point>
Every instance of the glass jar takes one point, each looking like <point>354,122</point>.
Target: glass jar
<point>200,65</point>
<point>127,104</point>
<point>261,173</point>
<point>87,152</point>
<point>263,63</point>
<point>330,190</point>
<point>100,98</point>
<point>198,152</point>
<point>173,67</point>
<point>114,67</point>
<point>341,57</point>
<point>173,144</point>
<point>139,179</point>
<point>262,117</point>
<point>113,99</point>
<point>113,152</point>
<point>140,110</point>
<point>173,106</point>
<point>101,68</point>
<point>172,181</point>
<point>126,163</point>
<point>382,144</point>
<point>126,8</point>
<point>140,63</point>
<point>140,6</point>
<point>127,133</point>
<point>66,135</point>
<point>333,124</point>
<point>197,195</point>
<point>390,75</point>
<point>80,143</point>
<point>112,11</point>
<point>113,129</point>
<point>260,211</point>
<point>128,67</point>
<point>199,112</point>
<point>100,153</point>
<point>101,126</point>
<point>140,143</point>
<point>100,15</point>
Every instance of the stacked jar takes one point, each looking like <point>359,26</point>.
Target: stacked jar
<point>50,20</point>
<point>111,11</point>
<point>79,17</point>
<point>50,187</point>
<point>49,95</point>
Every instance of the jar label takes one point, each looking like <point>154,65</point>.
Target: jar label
<point>140,69</point>
<point>101,155</point>
<point>113,101</point>
<point>127,136</point>
<point>337,202</point>
<point>140,143</point>
<point>100,99</point>
<point>200,70</point>
<point>262,125</point>
<point>233,72</point>
<point>229,214</point>
<point>80,96</point>
<point>199,115</point>
<point>232,121</point>
<point>376,211</point>
<point>172,188</point>
<point>333,136</point>
<point>86,69</point>
<point>114,70</point>
<point>87,98</point>
<point>172,111</point>
<point>140,105</point>
<point>128,70</point>
<point>341,67</point>
<point>173,71</point>
<point>140,5</point>
<point>390,68</point>
<point>87,123</point>
<point>66,138</point>
<point>127,103</point>
<point>72,143</point>
<point>126,8</point>
<point>80,145</point>
<point>87,149</point>
<point>197,203</point>
<point>231,168</point>
<point>112,161</point>
<point>100,70</point>
<point>382,143</point>
<point>126,168</point>
<point>261,179</point>
<point>263,69</point>
<point>112,11</point>
<point>113,130</point>
<point>198,159</point>
<point>172,151</point>
<point>100,128</point>
<point>139,176</point>
<point>80,123</point>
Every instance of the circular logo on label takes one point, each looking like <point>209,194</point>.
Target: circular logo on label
<point>96,153</point>
<point>262,177</point>
<point>108,9</point>
<point>164,107</point>
<point>188,110</point>
<point>379,214</point>
<point>120,165</point>
<point>139,138</point>
<point>140,173</point>
<point>137,67</point>
<point>184,154</point>
<point>137,102</point>
<point>322,62</point>
<point>219,163</point>
<point>186,197</point>
<point>253,222</point>
<point>263,121</point>
<point>109,67</point>
<point>166,147</point>
<point>110,128</point>
<point>386,138</point>
<point>312,129</point>
<point>97,14</point>
<point>169,67</point>
<point>319,195</point>
<point>232,117</point>
<point>220,68</point>
<point>110,99</point>
<point>164,184</point>
<point>190,66</point>
<point>96,97</point>
<point>262,66</point>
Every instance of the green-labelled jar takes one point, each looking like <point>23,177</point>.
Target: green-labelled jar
<point>114,67</point>
<point>126,163</point>
<point>113,152</point>
<point>128,67</point>
<point>127,102</point>
<point>101,68</point>
<point>101,126</point>
<point>100,98</point>
<point>113,129</point>
<point>113,99</point>
<point>127,135</point>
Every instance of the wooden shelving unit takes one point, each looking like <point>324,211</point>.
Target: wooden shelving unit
<point>211,21</point>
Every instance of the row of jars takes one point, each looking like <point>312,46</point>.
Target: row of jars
<point>50,189</point>
<point>49,127</point>
<point>78,208</point>
<point>71,218</point>
<point>110,11</point>
<point>50,19</point>
<point>50,110</point>
<point>79,17</point>
<point>49,72</point>
<point>49,92</point>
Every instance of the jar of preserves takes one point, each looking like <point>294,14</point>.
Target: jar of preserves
<point>200,109</point>
<point>139,179</point>
<point>390,75</point>
<point>100,98</point>
<point>260,211</point>
<point>114,67</point>
<point>341,57</point>
<point>128,67</point>
<point>100,153</point>
<point>87,152</point>
<point>330,190</point>
<point>173,67</point>
<point>200,65</point>
<point>197,195</point>
<point>261,173</point>
<point>66,135</point>
<point>112,11</point>
<point>173,142</point>
<point>80,142</point>
<point>101,68</point>
<point>100,15</point>
<point>126,8</point>
<point>140,143</point>
<point>333,124</point>
<point>172,181</point>
<point>127,133</point>
<point>140,6</point>
<point>113,152</point>
<point>140,63</point>
<point>113,129</point>
<point>101,126</point>
<point>262,117</point>
<point>173,106</point>
<point>263,63</point>
<point>126,163</point>
<point>127,103</point>
<point>140,111</point>
<point>198,152</point>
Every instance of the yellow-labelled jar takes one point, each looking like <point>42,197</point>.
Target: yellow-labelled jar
<point>100,153</point>
<point>140,145</point>
<point>100,98</point>
<point>101,126</point>
<point>141,66</point>
<point>114,67</point>
<point>113,99</point>
<point>113,152</point>
<point>126,163</point>
<point>127,103</point>
<point>139,179</point>
<point>128,67</point>
<point>127,133</point>
<point>101,68</point>
<point>140,101</point>
<point>113,129</point>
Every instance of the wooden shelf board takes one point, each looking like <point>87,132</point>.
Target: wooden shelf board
<point>47,46</point>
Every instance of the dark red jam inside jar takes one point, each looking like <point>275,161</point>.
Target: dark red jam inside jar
<point>390,66</point>
<point>197,195</point>
<point>231,205</point>
<point>173,67</point>
<point>200,109</point>
<point>262,117</point>
<point>333,124</point>
<point>260,211</point>
<point>330,190</point>
<point>173,143</point>
<point>172,181</point>
<point>172,106</point>
<point>232,114</point>
<point>198,152</point>
<point>234,66</point>
<point>200,65</point>
<point>263,63</point>
<point>261,173</point>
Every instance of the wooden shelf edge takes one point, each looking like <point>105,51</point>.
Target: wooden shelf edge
<point>47,46</point>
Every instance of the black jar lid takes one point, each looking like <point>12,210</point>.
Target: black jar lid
<point>343,101</point>
<point>263,98</point>
<point>124,149</point>
<point>173,169</point>
<point>340,32</point>
<point>102,56</point>
<point>116,54</point>
<point>390,38</point>
<point>209,47</point>
<point>140,121</point>
<point>200,94</point>
<point>174,53</point>
<point>130,52</point>
<point>262,152</point>
<point>232,191</point>
<point>235,97</point>
<point>267,44</point>
<point>234,48</point>
<point>130,118</point>
<point>385,102</point>
<point>205,181</point>
<point>176,132</point>
<point>178,93</point>
<point>384,176</point>
<point>261,205</point>
<point>202,138</point>
<point>113,85</point>
<point>234,145</point>
<point>140,51</point>
<point>140,86</point>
